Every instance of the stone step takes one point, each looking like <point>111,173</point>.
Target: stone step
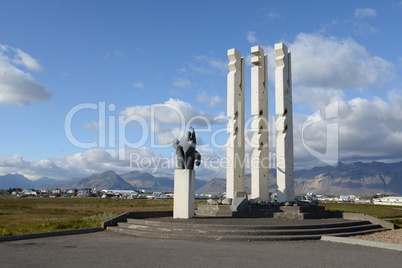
<point>150,234</point>
<point>191,223</point>
<point>225,236</point>
<point>209,231</point>
<point>364,232</point>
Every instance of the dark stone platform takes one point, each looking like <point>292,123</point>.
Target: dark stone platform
<point>257,211</point>
<point>242,229</point>
<point>287,223</point>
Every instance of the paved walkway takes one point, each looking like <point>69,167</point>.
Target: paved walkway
<point>107,249</point>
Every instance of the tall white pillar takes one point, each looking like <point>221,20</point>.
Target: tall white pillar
<point>235,110</point>
<point>259,108</point>
<point>284,124</point>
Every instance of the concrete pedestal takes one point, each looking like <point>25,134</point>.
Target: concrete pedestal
<point>183,203</point>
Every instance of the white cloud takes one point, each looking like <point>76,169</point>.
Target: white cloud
<point>365,13</point>
<point>213,62</point>
<point>98,160</point>
<point>161,123</point>
<point>368,130</point>
<point>175,92</point>
<point>334,63</point>
<point>94,126</point>
<point>207,99</point>
<point>139,85</point>
<point>182,82</point>
<point>173,112</point>
<point>363,27</point>
<point>167,136</point>
<point>182,70</point>
<point>201,70</point>
<point>273,15</point>
<point>16,86</point>
<point>395,99</point>
<point>325,28</point>
<point>22,58</point>
<point>371,129</point>
<point>86,163</point>
<point>91,125</point>
<point>315,97</point>
<point>251,37</point>
<point>116,53</point>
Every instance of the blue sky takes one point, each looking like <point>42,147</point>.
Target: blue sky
<point>135,57</point>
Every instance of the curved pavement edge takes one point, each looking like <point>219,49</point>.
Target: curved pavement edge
<point>49,234</point>
<point>362,242</point>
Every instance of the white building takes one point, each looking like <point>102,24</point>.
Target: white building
<point>388,200</point>
<point>347,198</point>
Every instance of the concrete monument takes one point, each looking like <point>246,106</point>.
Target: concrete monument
<point>184,177</point>
<point>235,110</point>
<point>259,108</point>
<point>284,124</point>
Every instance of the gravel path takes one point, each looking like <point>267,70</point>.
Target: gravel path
<point>392,236</point>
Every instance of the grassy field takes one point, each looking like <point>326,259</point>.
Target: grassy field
<point>390,213</point>
<point>34,215</point>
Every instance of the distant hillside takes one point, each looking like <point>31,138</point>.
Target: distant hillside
<point>146,181</point>
<point>143,180</point>
<point>110,180</point>
<point>106,180</point>
<point>62,184</point>
<point>218,185</point>
<point>15,181</point>
<point>356,178</point>
<point>39,183</point>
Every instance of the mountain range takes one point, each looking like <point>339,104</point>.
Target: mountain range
<point>356,178</point>
<point>134,180</point>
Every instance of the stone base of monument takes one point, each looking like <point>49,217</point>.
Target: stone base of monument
<point>183,203</point>
<point>162,225</point>
<point>256,211</point>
